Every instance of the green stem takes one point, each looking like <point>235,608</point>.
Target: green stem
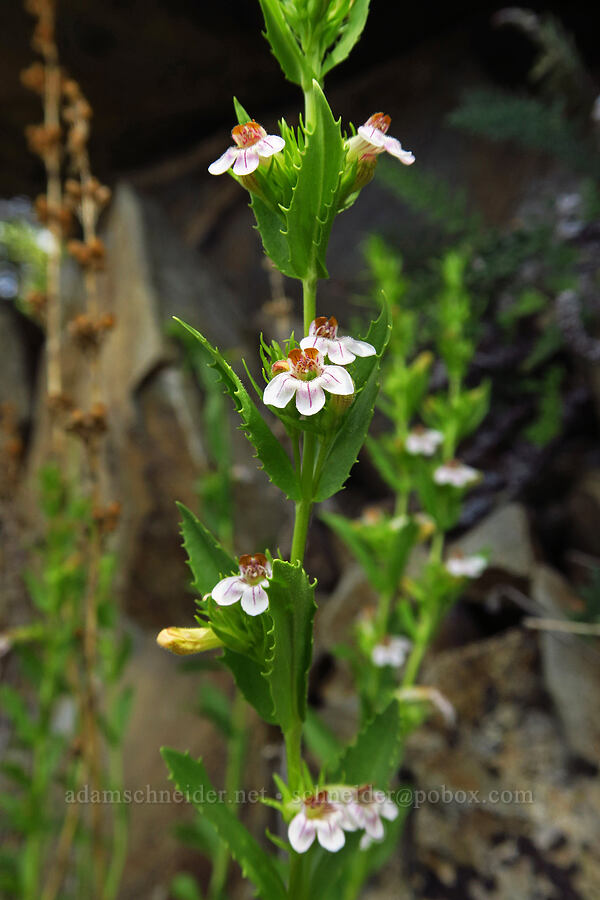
<point>309,300</point>
<point>415,659</point>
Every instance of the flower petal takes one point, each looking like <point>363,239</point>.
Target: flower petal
<point>280,390</point>
<point>254,599</point>
<point>228,590</point>
<point>301,833</point>
<point>339,351</point>
<point>269,145</point>
<point>312,340</point>
<point>394,148</point>
<point>388,810</point>
<point>224,162</point>
<point>359,348</point>
<point>373,136</point>
<point>374,825</point>
<point>247,161</point>
<point>310,397</point>
<point>330,834</point>
<point>336,380</point>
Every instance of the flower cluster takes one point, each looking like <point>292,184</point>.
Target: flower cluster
<point>304,374</point>
<point>327,814</point>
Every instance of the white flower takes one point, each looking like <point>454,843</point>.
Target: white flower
<point>248,587</point>
<point>323,335</point>
<point>365,809</point>
<point>252,143</point>
<point>392,651</point>
<point>455,473</point>
<point>423,441</point>
<point>318,818</point>
<point>372,139</point>
<point>304,374</point>
<point>466,566</point>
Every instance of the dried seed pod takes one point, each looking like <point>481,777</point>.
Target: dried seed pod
<point>34,77</point>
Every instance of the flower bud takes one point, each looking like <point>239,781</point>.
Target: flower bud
<point>184,641</point>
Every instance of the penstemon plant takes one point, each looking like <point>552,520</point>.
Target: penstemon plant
<point>259,609</point>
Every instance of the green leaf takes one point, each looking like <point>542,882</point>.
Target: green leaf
<point>271,226</point>
<point>374,754</point>
<point>208,561</point>
<point>191,778</point>
<point>351,436</point>
<point>275,460</point>
<point>240,112</point>
<point>313,207</point>
<point>379,333</point>
<point>350,34</point>
<point>251,681</point>
<point>292,607</point>
<point>348,441</point>
<point>319,739</point>
<point>283,43</point>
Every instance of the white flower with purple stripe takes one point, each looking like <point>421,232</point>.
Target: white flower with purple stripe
<point>323,336</point>
<point>304,375</point>
<point>372,139</point>
<point>320,819</point>
<point>248,587</point>
<point>252,144</point>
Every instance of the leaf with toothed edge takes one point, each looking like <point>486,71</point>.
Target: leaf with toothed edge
<point>351,436</point>
<point>275,461</point>
<point>192,780</point>
<point>292,607</point>
<point>313,206</point>
<point>284,45</point>
<point>207,559</point>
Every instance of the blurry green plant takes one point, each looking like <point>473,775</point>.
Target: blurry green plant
<point>415,462</point>
<point>48,829</point>
<point>23,257</point>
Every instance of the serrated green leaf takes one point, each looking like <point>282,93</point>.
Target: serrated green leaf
<point>283,43</point>
<point>348,441</point>
<point>313,206</point>
<point>374,754</point>
<point>192,779</point>
<point>270,226</point>
<point>275,460</point>
<point>292,607</point>
<point>350,34</point>
<point>251,681</point>
<point>208,561</point>
<point>351,436</point>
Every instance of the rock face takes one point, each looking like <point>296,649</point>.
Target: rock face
<point>530,827</point>
<point>571,667</point>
